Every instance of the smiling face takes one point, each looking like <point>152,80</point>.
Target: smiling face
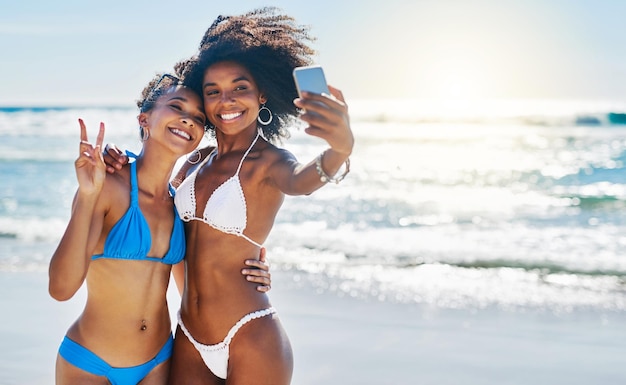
<point>231,97</point>
<point>176,121</point>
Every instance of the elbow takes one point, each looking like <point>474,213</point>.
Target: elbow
<point>60,292</point>
<point>301,190</point>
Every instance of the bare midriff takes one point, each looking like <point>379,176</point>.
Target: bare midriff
<point>217,295</point>
<point>126,320</point>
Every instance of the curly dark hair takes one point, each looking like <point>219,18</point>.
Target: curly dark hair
<point>269,45</point>
<point>154,89</point>
<point>159,84</point>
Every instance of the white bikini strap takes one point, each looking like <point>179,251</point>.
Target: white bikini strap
<point>247,152</point>
<point>244,236</point>
<point>231,333</point>
<point>245,320</point>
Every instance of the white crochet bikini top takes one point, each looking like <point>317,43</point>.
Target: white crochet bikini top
<point>226,208</point>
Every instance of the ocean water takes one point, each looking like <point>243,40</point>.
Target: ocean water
<point>512,205</point>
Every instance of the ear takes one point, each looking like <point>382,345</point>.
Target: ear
<point>262,99</point>
<point>142,118</point>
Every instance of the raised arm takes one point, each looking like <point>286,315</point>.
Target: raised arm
<point>70,261</point>
<point>328,119</point>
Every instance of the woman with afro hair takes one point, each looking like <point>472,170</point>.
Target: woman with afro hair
<point>230,194</point>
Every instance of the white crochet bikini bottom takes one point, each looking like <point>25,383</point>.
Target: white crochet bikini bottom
<point>215,357</point>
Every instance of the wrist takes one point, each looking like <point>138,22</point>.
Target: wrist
<point>338,176</point>
<point>340,153</point>
<point>89,196</point>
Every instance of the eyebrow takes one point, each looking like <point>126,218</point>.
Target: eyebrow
<point>178,98</point>
<point>239,79</point>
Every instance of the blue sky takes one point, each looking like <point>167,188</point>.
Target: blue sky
<point>80,52</point>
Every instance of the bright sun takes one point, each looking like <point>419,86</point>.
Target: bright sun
<point>460,78</point>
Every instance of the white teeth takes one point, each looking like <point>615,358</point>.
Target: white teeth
<point>230,116</point>
<point>181,133</point>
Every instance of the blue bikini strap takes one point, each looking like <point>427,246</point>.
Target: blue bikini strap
<point>134,189</point>
<point>134,193</point>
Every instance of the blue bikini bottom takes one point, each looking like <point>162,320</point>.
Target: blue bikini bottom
<point>84,359</point>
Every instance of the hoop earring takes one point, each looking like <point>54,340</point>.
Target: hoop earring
<point>195,152</point>
<point>144,132</point>
<point>270,117</point>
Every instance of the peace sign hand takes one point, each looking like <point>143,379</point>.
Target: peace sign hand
<point>90,167</point>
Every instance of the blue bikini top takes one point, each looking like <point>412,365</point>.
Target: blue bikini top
<point>130,237</point>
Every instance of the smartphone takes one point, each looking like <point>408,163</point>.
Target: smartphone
<point>311,79</point>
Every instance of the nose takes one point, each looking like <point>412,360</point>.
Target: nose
<point>227,97</point>
<point>186,120</point>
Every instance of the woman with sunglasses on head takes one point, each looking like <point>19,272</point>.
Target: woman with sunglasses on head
<point>122,239</point>
<point>230,194</point>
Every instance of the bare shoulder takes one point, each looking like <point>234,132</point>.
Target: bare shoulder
<point>276,165</point>
<point>116,187</point>
<point>118,179</point>
<point>273,155</point>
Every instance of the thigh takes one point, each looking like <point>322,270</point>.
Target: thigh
<point>260,353</point>
<point>187,367</point>
<point>158,375</point>
<point>67,374</point>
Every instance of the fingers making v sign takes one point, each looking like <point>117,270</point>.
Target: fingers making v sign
<point>90,167</point>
